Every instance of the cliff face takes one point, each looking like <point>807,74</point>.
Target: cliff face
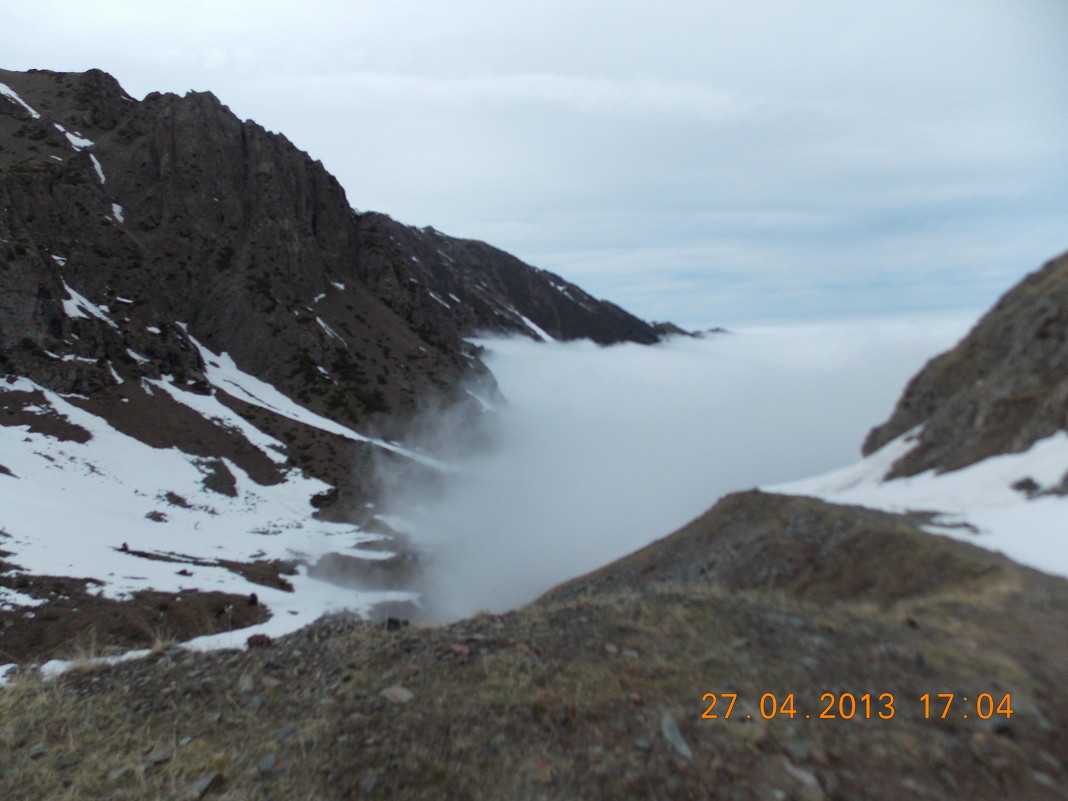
<point>1003,388</point>
<point>132,231</point>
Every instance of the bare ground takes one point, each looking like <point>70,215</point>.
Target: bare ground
<point>598,689</point>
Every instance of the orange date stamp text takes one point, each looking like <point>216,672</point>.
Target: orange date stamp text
<point>846,706</point>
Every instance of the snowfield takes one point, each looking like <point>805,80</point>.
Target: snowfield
<point>69,508</point>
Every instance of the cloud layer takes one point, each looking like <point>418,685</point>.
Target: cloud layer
<point>602,450</point>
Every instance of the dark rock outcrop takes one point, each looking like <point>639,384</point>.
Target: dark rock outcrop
<point>198,218</point>
<point>1003,388</point>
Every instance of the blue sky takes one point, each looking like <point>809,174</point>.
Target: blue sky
<point>707,162</point>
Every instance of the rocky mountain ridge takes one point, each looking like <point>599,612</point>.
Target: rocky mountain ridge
<point>198,334</point>
<point>136,236</point>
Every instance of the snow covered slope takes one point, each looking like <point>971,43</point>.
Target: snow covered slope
<point>81,499</point>
<point>978,442</point>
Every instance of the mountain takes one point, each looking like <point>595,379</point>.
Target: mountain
<point>1001,390</point>
<point>204,344</point>
<point>866,643</point>
<point>138,237</point>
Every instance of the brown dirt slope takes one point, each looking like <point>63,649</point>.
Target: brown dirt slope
<point>1004,387</point>
<point>598,689</point>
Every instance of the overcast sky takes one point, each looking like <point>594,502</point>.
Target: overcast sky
<point>704,161</point>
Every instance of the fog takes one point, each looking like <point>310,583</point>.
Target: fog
<point>599,451</point>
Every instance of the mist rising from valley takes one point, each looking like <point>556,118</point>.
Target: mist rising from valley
<point>600,450</point>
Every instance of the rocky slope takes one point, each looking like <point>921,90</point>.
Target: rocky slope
<point>827,625</point>
<point>202,345</point>
<point>1003,388</point>
<point>132,230</point>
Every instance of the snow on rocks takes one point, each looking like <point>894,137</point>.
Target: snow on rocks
<point>331,332</point>
<point>77,305</point>
<point>98,168</point>
<point>223,373</point>
<point>532,326</point>
<point>11,95</point>
<point>435,297</point>
<point>70,508</point>
<point>77,141</point>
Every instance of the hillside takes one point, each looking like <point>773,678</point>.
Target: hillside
<point>1001,390</point>
<point>779,646</point>
<point>138,236</point>
<point>977,445</point>
<point>598,690</point>
<point>202,345</point>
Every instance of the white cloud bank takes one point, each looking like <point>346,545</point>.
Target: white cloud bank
<point>602,450</point>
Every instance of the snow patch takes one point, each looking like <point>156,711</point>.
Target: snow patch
<point>98,168</point>
<point>70,358</point>
<point>77,141</point>
<point>224,374</point>
<point>10,94</point>
<point>118,215</point>
<point>79,306</point>
<point>210,408</point>
<point>103,490</point>
<point>10,597</point>
<point>483,404</point>
<point>330,331</point>
<point>439,300</point>
<point>543,335</point>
